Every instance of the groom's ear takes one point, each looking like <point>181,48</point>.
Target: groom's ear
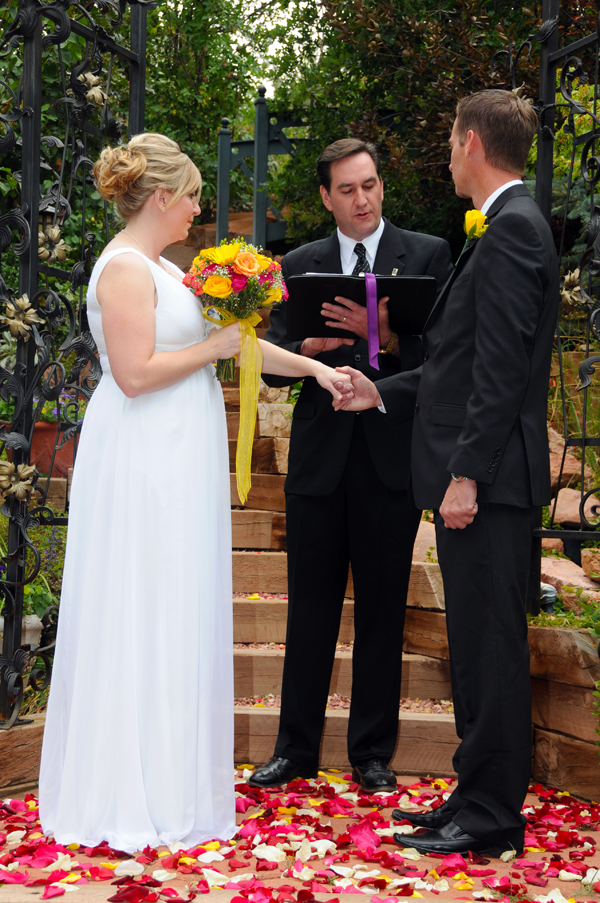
<point>326,198</point>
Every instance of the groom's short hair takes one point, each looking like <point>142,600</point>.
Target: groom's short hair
<point>339,150</point>
<point>505,124</point>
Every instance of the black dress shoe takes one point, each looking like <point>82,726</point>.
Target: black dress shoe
<point>451,838</point>
<point>374,775</point>
<point>279,771</point>
<point>436,818</point>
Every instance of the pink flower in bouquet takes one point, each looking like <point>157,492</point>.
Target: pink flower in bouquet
<point>238,282</point>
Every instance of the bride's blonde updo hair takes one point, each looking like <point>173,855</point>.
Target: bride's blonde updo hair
<point>128,175</point>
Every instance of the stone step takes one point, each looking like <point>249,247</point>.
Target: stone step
<point>266,572</point>
<point>258,529</point>
<point>258,672</point>
<point>426,742</point>
<point>265,620</point>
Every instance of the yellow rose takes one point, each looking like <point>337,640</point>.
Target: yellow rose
<point>264,261</point>
<point>217,287</point>
<point>475,223</point>
<point>273,296</point>
<point>246,264</point>
<point>223,255</point>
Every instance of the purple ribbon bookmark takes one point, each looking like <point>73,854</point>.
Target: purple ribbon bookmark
<point>372,319</point>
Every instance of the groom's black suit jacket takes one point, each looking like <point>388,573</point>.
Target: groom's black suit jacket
<point>321,437</point>
<point>481,403</point>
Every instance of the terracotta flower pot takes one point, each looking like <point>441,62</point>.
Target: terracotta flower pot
<point>42,446</point>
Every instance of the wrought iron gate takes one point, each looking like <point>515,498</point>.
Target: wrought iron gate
<point>570,132</point>
<point>66,67</point>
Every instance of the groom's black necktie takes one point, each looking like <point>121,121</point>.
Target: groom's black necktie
<point>362,264</point>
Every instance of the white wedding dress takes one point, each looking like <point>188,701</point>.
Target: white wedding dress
<point>138,745</point>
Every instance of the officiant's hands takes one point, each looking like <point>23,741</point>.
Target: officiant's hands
<point>365,394</point>
<point>313,346</point>
<point>346,314</point>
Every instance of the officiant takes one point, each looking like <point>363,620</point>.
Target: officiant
<point>346,490</point>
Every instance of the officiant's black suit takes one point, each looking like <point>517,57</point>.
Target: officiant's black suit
<point>481,413</point>
<point>347,500</point>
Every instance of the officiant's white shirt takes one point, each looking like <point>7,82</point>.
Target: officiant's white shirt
<point>347,245</point>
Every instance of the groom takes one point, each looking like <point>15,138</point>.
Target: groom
<point>480,460</point>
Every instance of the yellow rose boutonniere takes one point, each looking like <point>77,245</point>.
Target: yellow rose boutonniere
<point>475,223</point>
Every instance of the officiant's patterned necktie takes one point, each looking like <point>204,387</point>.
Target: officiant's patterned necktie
<point>362,264</point>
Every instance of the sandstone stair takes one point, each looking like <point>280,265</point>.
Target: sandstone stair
<point>426,741</point>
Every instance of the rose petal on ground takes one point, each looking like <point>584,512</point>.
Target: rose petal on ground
<point>129,867</point>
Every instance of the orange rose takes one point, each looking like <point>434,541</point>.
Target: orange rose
<point>217,287</point>
<point>246,264</point>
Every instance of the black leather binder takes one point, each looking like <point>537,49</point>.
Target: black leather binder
<point>411,301</point>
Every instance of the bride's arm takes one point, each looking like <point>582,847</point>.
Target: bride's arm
<point>126,295</point>
<point>280,362</point>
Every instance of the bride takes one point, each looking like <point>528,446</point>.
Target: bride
<point>138,745</point>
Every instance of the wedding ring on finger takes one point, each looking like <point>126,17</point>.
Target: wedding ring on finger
<point>344,320</point>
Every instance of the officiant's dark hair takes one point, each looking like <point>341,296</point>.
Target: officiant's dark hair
<point>505,123</point>
<point>339,150</point>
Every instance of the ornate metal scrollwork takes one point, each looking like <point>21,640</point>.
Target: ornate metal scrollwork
<point>49,364</point>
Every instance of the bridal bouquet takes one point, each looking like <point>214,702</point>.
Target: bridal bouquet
<point>233,281</point>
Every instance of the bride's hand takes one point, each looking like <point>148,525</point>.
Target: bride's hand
<point>339,384</point>
<point>225,341</point>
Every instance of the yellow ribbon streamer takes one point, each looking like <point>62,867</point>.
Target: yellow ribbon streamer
<point>250,360</point>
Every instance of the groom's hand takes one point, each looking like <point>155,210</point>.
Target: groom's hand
<point>365,392</point>
<point>459,507</point>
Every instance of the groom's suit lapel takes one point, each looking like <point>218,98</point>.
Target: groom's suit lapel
<point>515,191</point>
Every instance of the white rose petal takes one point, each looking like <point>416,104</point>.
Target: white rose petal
<point>304,851</point>
<point>64,861</point>
<point>353,797</point>
<point>554,896</point>
<point>410,853</point>
<point>178,847</point>
<point>483,895</point>
<point>210,856</point>
<point>305,875</point>
<point>15,836</point>
<point>215,879</point>
<point>247,876</point>
<point>422,885</point>
<point>400,882</point>
<point>346,882</point>
<point>247,773</point>
<point>339,788</point>
<point>403,829</point>
<point>563,875</point>
<point>591,876</point>
<point>364,873</point>
<point>507,855</point>
<point>310,812</point>
<point>343,871</point>
<point>271,854</point>
<point>163,875</point>
<point>67,887</point>
<point>441,886</point>
<point>128,867</point>
<point>322,847</point>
